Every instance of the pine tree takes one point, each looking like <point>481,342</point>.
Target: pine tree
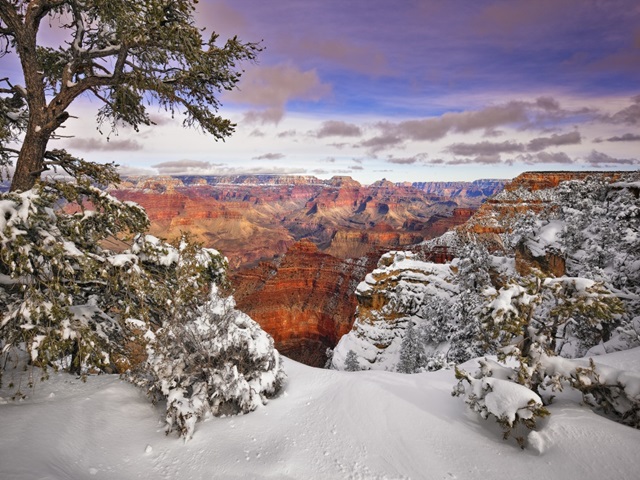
<point>65,299</point>
<point>351,363</point>
<point>411,351</point>
<point>528,321</point>
<point>123,54</point>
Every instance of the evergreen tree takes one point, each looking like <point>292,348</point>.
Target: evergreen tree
<point>62,293</point>
<point>530,321</point>
<point>67,301</point>
<point>351,363</point>
<point>123,54</point>
<point>469,340</point>
<point>214,359</point>
<point>411,351</point>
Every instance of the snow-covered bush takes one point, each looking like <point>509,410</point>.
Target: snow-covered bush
<point>70,303</point>
<point>534,323</point>
<point>615,392</point>
<point>64,297</point>
<point>491,394</point>
<point>57,284</point>
<point>601,241</point>
<point>214,361</point>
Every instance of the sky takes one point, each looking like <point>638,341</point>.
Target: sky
<point>411,90</point>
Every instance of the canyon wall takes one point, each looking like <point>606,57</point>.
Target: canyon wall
<point>298,246</point>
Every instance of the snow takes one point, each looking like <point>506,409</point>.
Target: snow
<point>507,399</point>
<point>326,425</point>
<point>547,237</point>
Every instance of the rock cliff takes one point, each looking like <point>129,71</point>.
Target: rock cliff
<point>298,246</point>
<point>304,300</point>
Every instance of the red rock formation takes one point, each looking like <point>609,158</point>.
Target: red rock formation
<point>253,218</point>
<point>304,297</point>
<point>305,301</point>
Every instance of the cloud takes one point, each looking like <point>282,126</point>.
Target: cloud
<point>381,142</point>
<point>207,168</point>
<point>128,171</point>
<point>628,116</point>
<point>515,113</point>
<point>338,145</point>
<point>287,133</point>
<point>437,161</point>
<point>489,152</point>
<point>270,156</point>
<point>488,159</point>
<point>184,167</point>
<point>484,148</point>
<point>544,157</point>
<point>227,20</point>
<point>93,144</point>
<point>478,160</point>
<point>541,143</point>
<point>599,159</point>
<point>336,128</point>
<point>419,158</point>
<point>226,170</point>
<point>627,137</point>
<point>272,87</point>
<point>257,133</point>
<point>492,133</point>
<point>360,58</point>
<point>269,115</point>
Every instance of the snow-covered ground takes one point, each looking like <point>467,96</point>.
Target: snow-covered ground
<point>326,425</point>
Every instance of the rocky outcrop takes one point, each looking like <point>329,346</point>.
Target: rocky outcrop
<point>304,300</point>
<point>534,181</point>
<point>572,231</point>
<point>389,298</point>
<point>528,193</point>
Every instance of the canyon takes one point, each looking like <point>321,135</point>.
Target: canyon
<point>297,245</point>
<point>535,228</point>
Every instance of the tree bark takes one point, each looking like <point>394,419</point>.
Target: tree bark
<point>30,160</point>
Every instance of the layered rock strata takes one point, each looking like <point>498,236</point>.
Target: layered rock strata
<point>304,300</point>
<point>302,293</point>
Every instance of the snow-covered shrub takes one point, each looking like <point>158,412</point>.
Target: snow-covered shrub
<point>615,392</point>
<point>215,361</point>
<point>534,322</point>
<point>56,281</point>
<point>64,297</point>
<point>491,394</point>
<point>601,241</point>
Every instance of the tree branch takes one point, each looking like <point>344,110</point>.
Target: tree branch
<point>10,16</point>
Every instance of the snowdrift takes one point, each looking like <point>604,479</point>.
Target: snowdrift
<point>327,424</point>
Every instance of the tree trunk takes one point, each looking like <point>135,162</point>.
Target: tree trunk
<point>30,160</point>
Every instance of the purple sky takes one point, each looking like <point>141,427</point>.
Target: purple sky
<point>410,90</point>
